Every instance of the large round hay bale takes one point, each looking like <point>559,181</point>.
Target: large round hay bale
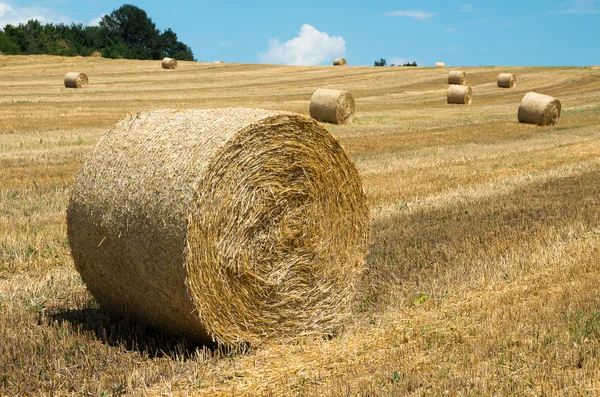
<point>440,64</point>
<point>507,80</point>
<point>339,62</point>
<point>457,77</point>
<point>76,80</point>
<point>460,94</point>
<point>539,109</point>
<point>96,54</point>
<point>234,225</point>
<point>332,106</point>
<point>169,63</point>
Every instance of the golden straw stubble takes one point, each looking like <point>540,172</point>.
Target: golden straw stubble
<point>539,109</point>
<point>76,80</point>
<point>332,106</point>
<point>233,225</point>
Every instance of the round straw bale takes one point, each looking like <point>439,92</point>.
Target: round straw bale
<point>460,94</point>
<point>457,77</point>
<point>235,225</point>
<point>440,64</point>
<point>539,109</point>
<point>218,62</point>
<point>96,54</point>
<point>507,80</point>
<point>76,80</point>
<point>339,62</point>
<point>169,63</point>
<point>332,106</point>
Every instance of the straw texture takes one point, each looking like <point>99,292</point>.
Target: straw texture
<point>76,80</point>
<point>235,225</point>
<point>96,54</point>
<point>460,94</point>
<point>507,80</point>
<point>457,77</point>
<point>339,62</point>
<point>169,63</point>
<point>332,106</point>
<point>539,109</point>
<point>440,64</point>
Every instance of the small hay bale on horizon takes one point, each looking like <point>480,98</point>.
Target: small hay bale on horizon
<point>457,77</point>
<point>539,109</point>
<point>169,63</point>
<point>218,62</point>
<point>227,225</point>
<point>440,64</point>
<point>460,95</point>
<point>76,80</point>
<point>339,62</point>
<point>332,106</point>
<point>507,80</point>
<point>96,54</point>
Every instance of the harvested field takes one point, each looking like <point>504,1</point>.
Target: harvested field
<point>483,275</point>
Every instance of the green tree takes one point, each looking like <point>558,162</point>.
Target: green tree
<point>381,62</point>
<point>174,48</point>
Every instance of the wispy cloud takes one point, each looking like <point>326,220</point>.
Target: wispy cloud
<point>578,7</point>
<point>16,15</point>
<point>466,8</point>
<point>417,14</point>
<point>96,21</point>
<point>311,47</point>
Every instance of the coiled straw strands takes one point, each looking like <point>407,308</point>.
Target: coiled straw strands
<point>332,106</point>
<point>76,80</point>
<point>235,225</point>
<point>460,94</point>
<point>457,77</point>
<point>507,80</point>
<point>339,62</point>
<point>539,109</point>
<point>169,63</point>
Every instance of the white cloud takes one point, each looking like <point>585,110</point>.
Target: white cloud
<point>16,15</point>
<point>417,14</point>
<point>466,8</point>
<point>311,47</point>
<point>579,7</point>
<point>96,21</point>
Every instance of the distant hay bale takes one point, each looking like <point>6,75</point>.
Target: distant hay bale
<point>457,77</point>
<point>218,62</point>
<point>169,63</point>
<point>460,94</point>
<point>332,106</point>
<point>97,54</point>
<point>339,62</point>
<point>440,64</point>
<point>235,225</point>
<point>539,109</point>
<point>507,80</point>
<point>76,80</point>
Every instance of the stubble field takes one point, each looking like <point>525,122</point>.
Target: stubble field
<point>484,271</point>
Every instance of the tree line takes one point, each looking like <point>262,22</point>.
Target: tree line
<point>127,32</point>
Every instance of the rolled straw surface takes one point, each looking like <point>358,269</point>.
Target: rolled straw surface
<point>460,94</point>
<point>169,63</point>
<point>76,80</point>
<point>457,77</point>
<point>96,54</point>
<point>339,62</point>
<point>539,109</point>
<point>440,64</point>
<point>507,80</point>
<point>235,225</point>
<point>332,106</point>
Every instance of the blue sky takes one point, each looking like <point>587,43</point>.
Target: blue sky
<point>461,32</point>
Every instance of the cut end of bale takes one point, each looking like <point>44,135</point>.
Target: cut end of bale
<point>539,109</point>
<point>457,77</point>
<point>507,80</point>
<point>236,225</point>
<point>169,63</point>
<point>460,94</point>
<point>332,106</point>
<point>339,62</point>
<point>76,80</point>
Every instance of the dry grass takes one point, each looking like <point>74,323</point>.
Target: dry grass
<point>483,276</point>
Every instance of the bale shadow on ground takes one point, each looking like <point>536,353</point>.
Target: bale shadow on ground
<point>136,336</point>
